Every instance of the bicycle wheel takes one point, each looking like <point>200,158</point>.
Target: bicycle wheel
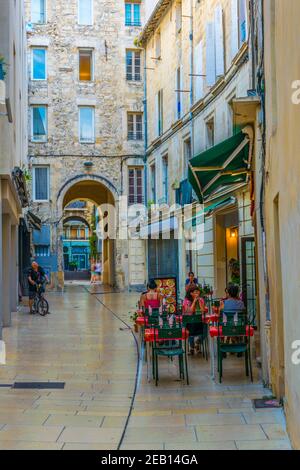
<point>43,307</point>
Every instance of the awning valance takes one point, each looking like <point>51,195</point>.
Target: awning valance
<point>223,165</point>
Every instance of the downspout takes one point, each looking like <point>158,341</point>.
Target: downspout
<point>146,146</point>
<point>191,37</point>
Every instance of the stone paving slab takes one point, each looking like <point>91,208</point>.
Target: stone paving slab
<point>99,375</point>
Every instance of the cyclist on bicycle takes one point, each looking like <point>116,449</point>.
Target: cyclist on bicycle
<point>36,275</point>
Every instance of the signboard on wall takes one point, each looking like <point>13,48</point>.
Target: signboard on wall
<point>167,287</point>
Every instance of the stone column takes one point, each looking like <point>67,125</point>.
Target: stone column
<point>6,266</point>
<point>14,269</point>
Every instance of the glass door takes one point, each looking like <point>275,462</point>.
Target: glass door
<point>249,277</point>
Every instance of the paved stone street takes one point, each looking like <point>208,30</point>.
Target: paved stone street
<point>84,345</point>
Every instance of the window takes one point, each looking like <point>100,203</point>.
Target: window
<point>38,11</point>
<point>178,16</point>
<point>187,152</point>
<point>40,183</point>
<point>39,123</point>
<point>135,186</point>
<point>153,183</point>
<point>132,14</point>
<point>42,250</point>
<point>210,133</point>
<point>239,25</point>
<point>87,124</point>
<point>86,65</point>
<point>135,126</point>
<point>159,112</point>
<point>178,93</point>
<point>165,180</point>
<point>158,45</point>
<point>38,71</point>
<point>85,12</point>
<point>133,65</point>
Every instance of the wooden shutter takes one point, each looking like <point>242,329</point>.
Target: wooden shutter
<point>210,55</point>
<point>198,64</point>
<point>219,34</point>
<point>234,28</point>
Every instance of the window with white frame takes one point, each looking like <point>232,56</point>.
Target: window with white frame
<point>39,123</point>
<point>165,178</point>
<point>135,126</point>
<point>135,186</point>
<point>87,124</point>
<point>86,68</point>
<point>38,11</point>
<point>39,63</point>
<point>85,12</point>
<point>40,183</point>
<point>133,65</point>
<point>132,13</point>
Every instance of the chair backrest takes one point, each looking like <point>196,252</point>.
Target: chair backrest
<point>235,324</point>
<point>169,333</point>
<point>191,319</point>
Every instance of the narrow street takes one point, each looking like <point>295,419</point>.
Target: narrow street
<point>83,344</point>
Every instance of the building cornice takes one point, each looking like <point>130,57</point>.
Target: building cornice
<point>154,21</point>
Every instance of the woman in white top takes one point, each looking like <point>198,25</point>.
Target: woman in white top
<point>98,269</point>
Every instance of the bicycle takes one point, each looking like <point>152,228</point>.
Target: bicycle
<point>40,304</point>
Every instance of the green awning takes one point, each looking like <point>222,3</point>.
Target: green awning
<point>207,211</point>
<point>223,165</point>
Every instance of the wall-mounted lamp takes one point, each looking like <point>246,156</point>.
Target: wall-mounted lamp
<point>233,233</point>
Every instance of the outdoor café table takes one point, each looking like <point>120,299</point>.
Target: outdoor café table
<point>149,337</point>
<point>215,332</point>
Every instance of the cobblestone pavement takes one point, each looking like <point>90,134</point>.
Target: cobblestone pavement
<point>84,345</point>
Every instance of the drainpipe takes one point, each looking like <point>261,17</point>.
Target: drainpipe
<point>191,72</point>
<point>146,146</point>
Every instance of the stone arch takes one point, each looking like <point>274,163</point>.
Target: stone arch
<point>100,190</point>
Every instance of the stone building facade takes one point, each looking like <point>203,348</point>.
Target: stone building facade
<point>86,98</point>
<point>13,149</point>
<point>199,82</point>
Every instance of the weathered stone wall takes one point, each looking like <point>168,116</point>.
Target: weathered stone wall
<point>109,92</point>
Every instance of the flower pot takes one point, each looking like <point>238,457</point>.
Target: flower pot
<point>135,328</point>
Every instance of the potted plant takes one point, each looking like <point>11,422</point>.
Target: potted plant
<point>73,266</point>
<point>133,318</point>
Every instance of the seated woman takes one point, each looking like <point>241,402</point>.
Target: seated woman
<point>193,303</point>
<point>151,298</point>
<point>232,303</point>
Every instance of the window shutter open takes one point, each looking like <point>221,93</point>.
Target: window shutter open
<point>210,55</point>
<point>234,28</point>
<point>219,32</point>
<point>198,64</point>
<point>156,115</point>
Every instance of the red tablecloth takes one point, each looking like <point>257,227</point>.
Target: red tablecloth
<point>149,335</point>
<point>214,331</point>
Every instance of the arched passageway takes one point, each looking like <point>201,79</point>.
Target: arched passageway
<point>99,196</point>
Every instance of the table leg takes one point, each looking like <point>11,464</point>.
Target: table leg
<point>148,360</point>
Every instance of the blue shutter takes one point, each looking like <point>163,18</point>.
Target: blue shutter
<point>128,14</point>
<point>41,184</point>
<point>137,14</point>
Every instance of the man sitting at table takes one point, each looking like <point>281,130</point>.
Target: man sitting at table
<point>192,304</point>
